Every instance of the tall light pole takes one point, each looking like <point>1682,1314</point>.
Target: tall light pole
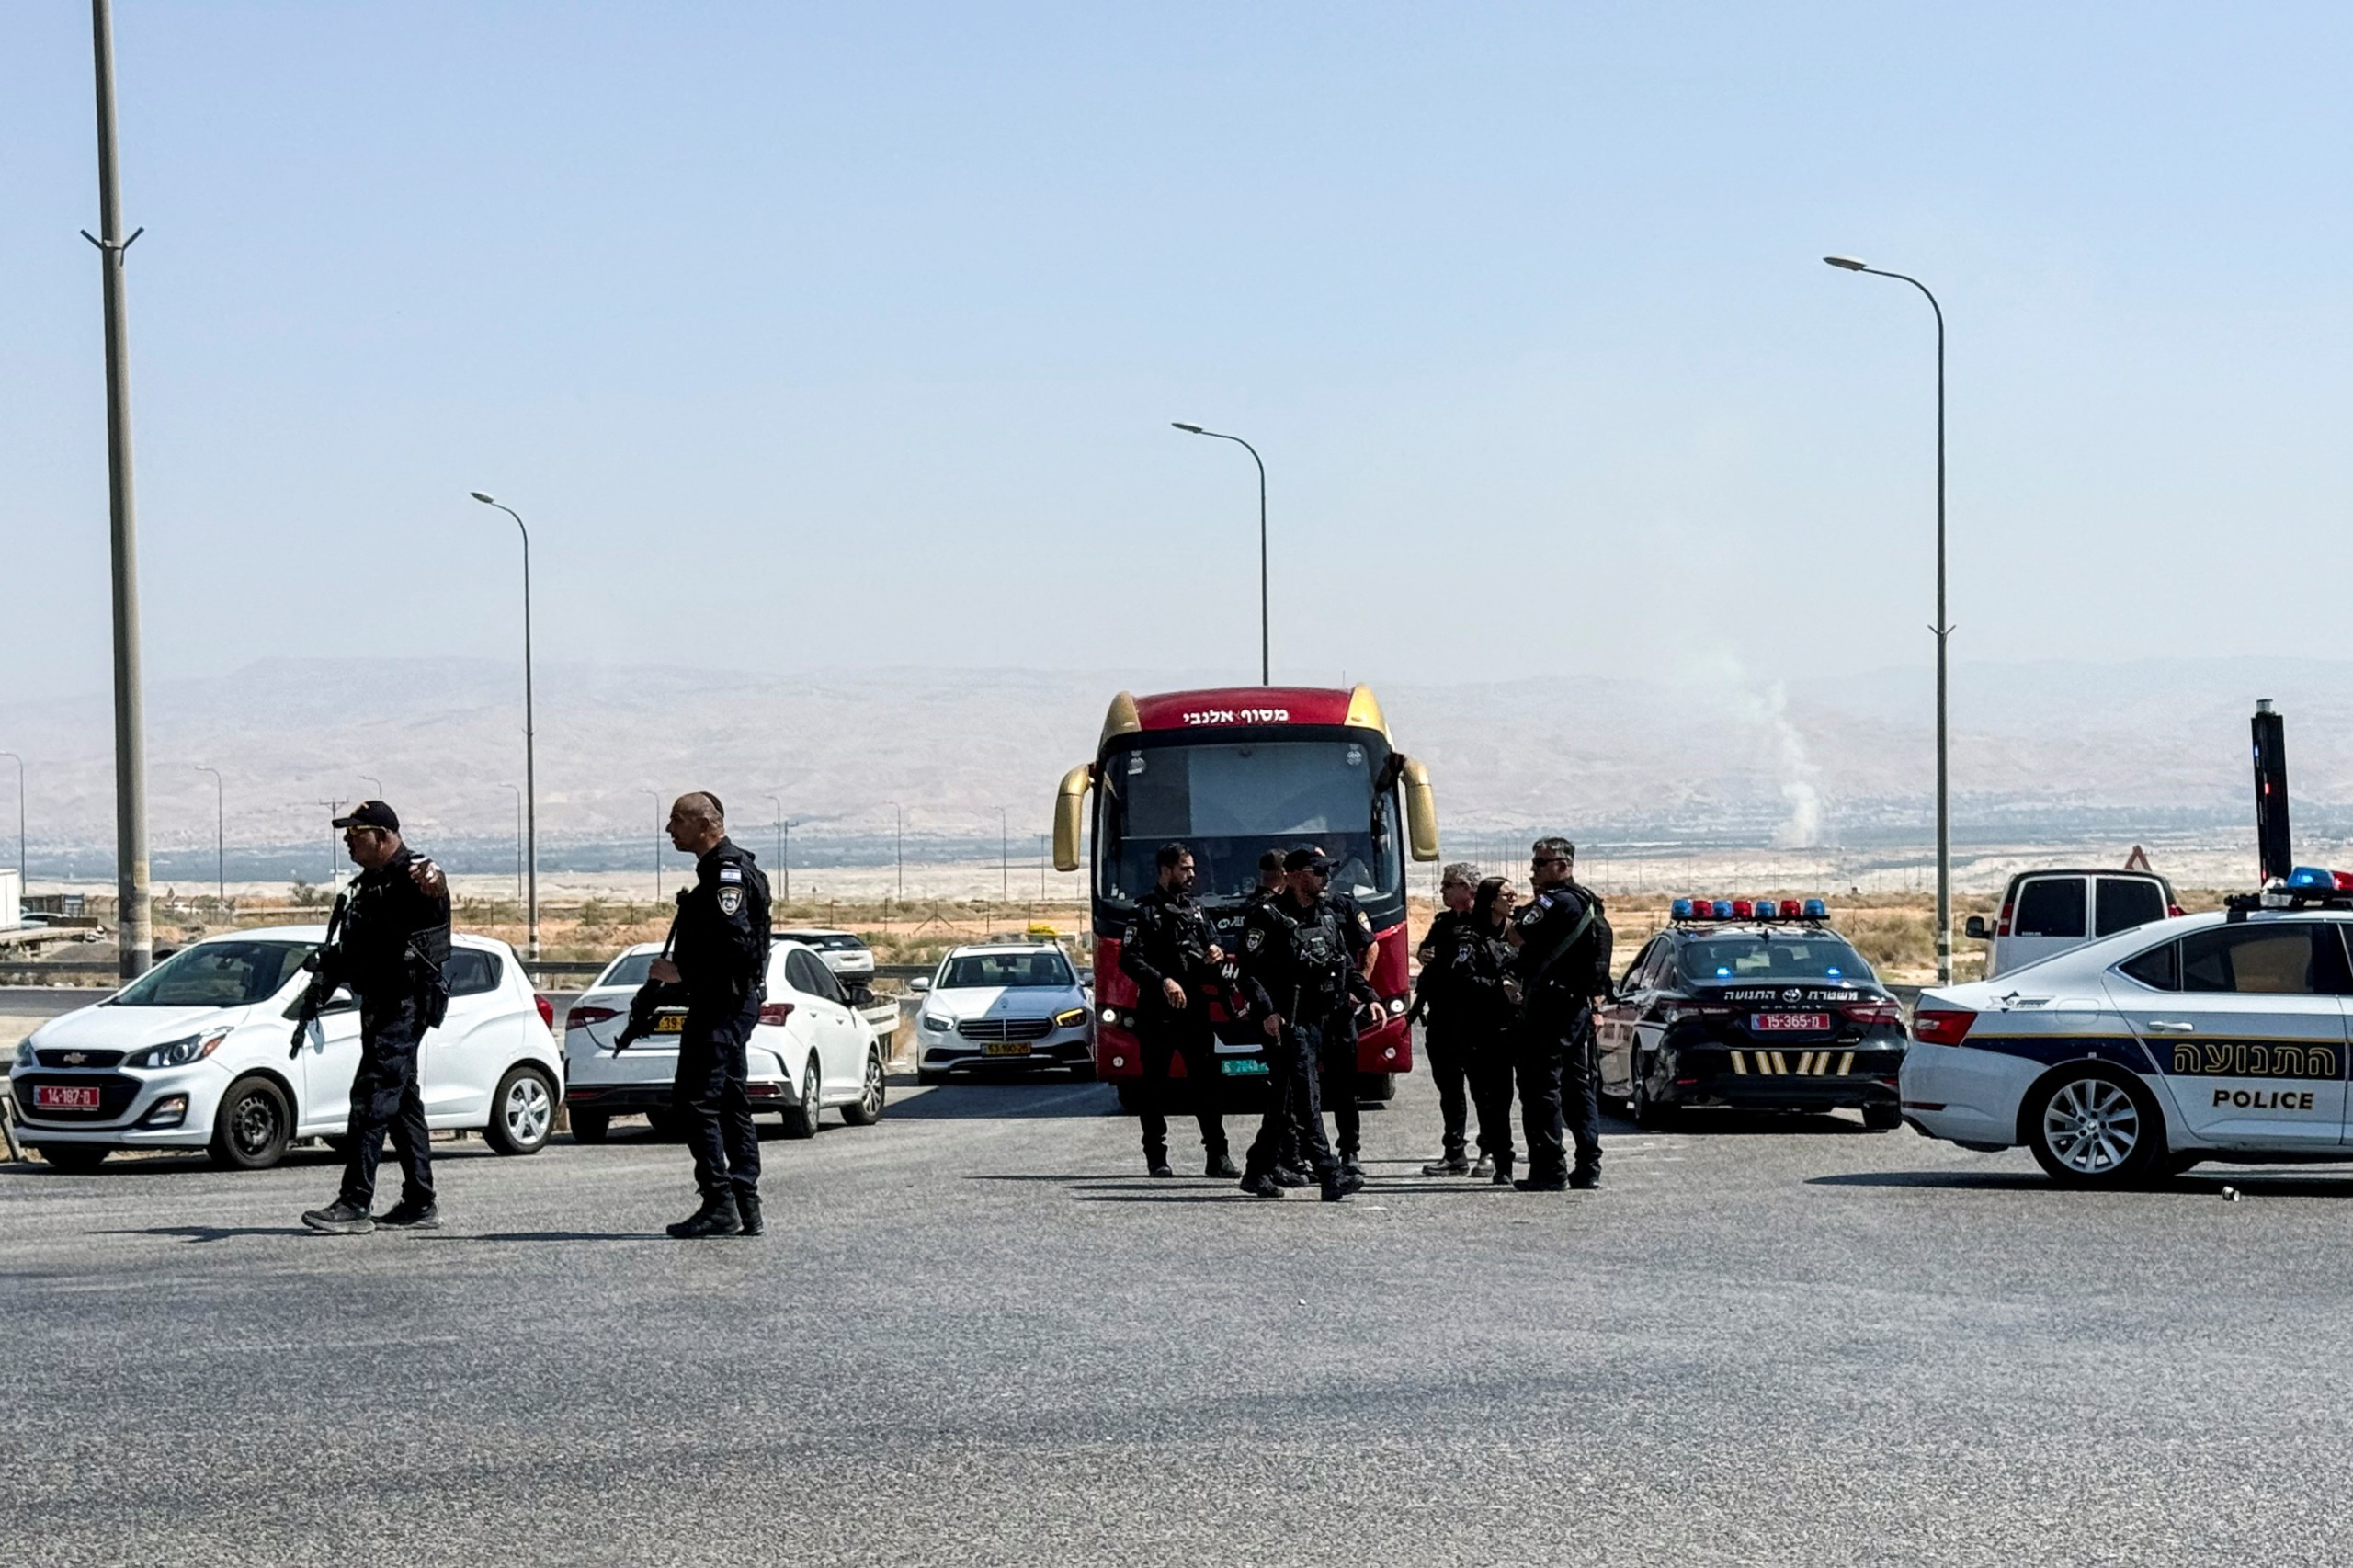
<point>1943,630</point>
<point>23,887</point>
<point>136,940</point>
<point>335,867</point>
<point>1266,663</point>
<point>518,842</point>
<point>657,841</point>
<point>219,839</point>
<point>1004,855</point>
<point>899,816</point>
<point>375,783</point>
<point>530,752</point>
<point>783,866</point>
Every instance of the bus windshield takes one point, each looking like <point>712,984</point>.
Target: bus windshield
<point>1230,801</point>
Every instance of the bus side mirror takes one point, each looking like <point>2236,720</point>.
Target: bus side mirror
<point>1421,811</point>
<point>1070,814</point>
<point>1974,929</point>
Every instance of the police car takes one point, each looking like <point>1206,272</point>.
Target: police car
<point>1756,1004</point>
<point>2198,1038</point>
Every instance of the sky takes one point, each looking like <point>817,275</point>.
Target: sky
<point>823,337</point>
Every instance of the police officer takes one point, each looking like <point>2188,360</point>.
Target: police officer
<point>1561,967</point>
<point>388,941</point>
<point>718,954</point>
<point>1441,1024</point>
<point>1295,969</point>
<point>1337,1056</point>
<point>1272,879</point>
<point>1173,957</point>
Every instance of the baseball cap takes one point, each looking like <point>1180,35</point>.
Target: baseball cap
<point>371,814</point>
<point>1307,860</point>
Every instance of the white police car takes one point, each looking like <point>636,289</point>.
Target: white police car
<point>2198,1038</point>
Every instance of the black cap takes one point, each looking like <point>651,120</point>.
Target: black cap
<point>1307,860</point>
<point>1272,860</point>
<point>371,814</point>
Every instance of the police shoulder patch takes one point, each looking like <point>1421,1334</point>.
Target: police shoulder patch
<point>1254,940</point>
<point>731,901</point>
<point>1364,920</point>
<point>1531,914</point>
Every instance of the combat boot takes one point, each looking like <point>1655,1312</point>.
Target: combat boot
<point>1291,1176</point>
<point>717,1217</point>
<point>340,1218</point>
<point>1220,1163</point>
<point>1586,1179</point>
<point>1451,1163</point>
<point>1503,1171</point>
<point>748,1211</point>
<point>1534,1183</point>
<point>1259,1184</point>
<point>1351,1165</point>
<point>409,1215</point>
<point>1155,1160</point>
<point>1483,1167</point>
<point>1341,1183</point>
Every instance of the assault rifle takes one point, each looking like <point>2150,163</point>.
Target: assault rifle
<point>653,996</point>
<point>322,963</point>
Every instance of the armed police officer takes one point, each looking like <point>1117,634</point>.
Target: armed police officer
<point>1562,969</point>
<point>1458,884</point>
<point>1295,967</point>
<point>1172,955</point>
<point>387,941</point>
<point>719,956</point>
<point>1336,1060</point>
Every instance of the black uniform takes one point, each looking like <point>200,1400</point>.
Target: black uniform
<point>1467,1031</point>
<point>1563,963</point>
<point>1294,963</point>
<point>393,941</point>
<point>1170,939</point>
<point>720,948</point>
<point>1336,1062</point>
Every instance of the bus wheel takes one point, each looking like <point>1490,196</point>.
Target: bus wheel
<point>1377,1087</point>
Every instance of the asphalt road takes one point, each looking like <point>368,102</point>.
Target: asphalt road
<point>977,1334</point>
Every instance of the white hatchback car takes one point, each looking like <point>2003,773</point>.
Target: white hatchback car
<point>194,1055</point>
<point>1004,1004</point>
<point>809,1050</point>
<point>2205,1037</point>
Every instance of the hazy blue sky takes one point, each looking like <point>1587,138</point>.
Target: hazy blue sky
<point>814,334</point>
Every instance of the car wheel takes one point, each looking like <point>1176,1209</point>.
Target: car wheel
<point>1883,1117</point>
<point>522,1113</point>
<point>801,1120</point>
<point>251,1128</point>
<point>866,1109</point>
<point>591,1126</point>
<point>74,1159</point>
<point>1647,1113</point>
<point>663,1124</point>
<point>2092,1127</point>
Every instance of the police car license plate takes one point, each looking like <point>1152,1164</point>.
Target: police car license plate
<point>1790,1023</point>
<point>62,1097</point>
<point>670,1023</point>
<point>1013,1049</point>
<point>1243,1067</point>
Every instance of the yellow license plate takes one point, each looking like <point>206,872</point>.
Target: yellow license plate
<point>1022,1050</point>
<point>670,1023</point>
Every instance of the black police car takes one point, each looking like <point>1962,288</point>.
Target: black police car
<point>1757,1004</point>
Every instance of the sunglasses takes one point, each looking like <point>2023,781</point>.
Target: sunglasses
<point>1548,860</point>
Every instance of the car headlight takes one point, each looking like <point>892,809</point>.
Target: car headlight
<point>937,1023</point>
<point>25,1051</point>
<point>1070,1018</point>
<point>178,1052</point>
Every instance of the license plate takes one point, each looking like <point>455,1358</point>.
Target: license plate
<point>670,1023</point>
<point>1790,1023</point>
<point>60,1096</point>
<point>1018,1049</point>
<point>1243,1067</point>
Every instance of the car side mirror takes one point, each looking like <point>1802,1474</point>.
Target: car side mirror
<point>1974,929</point>
<point>919,985</point>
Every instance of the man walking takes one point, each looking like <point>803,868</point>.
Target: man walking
<point>718,954</point>
<point>387,943</point>
<point>1562,967</point>
<point>1295,969</point>
<point>1172,955</point>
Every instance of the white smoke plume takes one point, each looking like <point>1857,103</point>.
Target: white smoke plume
<point>1765,707</point>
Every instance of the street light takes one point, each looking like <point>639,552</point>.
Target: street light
<point>518,841</point>
<point>657,841</point>
<point>1265,661</point>
<point>899,815</point>
<point>220,840</point>
<point>783,866</point>
<point>531,758</point>
<point>23,887</point>
<point>377,782</point>
<point>1943,631</point>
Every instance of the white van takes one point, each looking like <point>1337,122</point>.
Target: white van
<point>2045,913</point>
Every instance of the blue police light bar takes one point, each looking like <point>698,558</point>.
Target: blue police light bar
<point>1723,909</point>
<point>1681,909</point>
<point>2310,879</point>
<point>1816,910</point>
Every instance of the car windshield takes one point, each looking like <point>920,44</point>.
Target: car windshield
<point>1229,802</point>
<point>630,969</point>
<point>1815,954</point>
<point>217,974</point>
<point>972,970</point>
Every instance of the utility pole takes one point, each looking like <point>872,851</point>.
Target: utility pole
<point>24,888</point>
<point>220,840</point>
<point>657,841</point>
<point>1004,855</point>
<point>136,930</point>
<point>334,810</point>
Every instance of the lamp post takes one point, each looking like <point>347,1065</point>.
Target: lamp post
<point>23,887</point>
<point>657,841</point>
<point>219,839</point>
<point>1004,855</point>
<point>335,865</point>
<point>518,842</point>
<point>531,758</point>
<point>376,783</point>
<point>899,816</point>
<point>1265,657</point>
<point>1943,631</point>
<point>783,866</point>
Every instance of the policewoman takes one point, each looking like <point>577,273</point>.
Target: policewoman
<point>719,956</point>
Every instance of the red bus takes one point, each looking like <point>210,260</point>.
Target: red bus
<point>1232,773</point>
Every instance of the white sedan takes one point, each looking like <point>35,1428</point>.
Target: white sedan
<point>194,1055</point>
<point>2207,1036</point>
<point>810,1050</point>
<point>993,1006</point>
